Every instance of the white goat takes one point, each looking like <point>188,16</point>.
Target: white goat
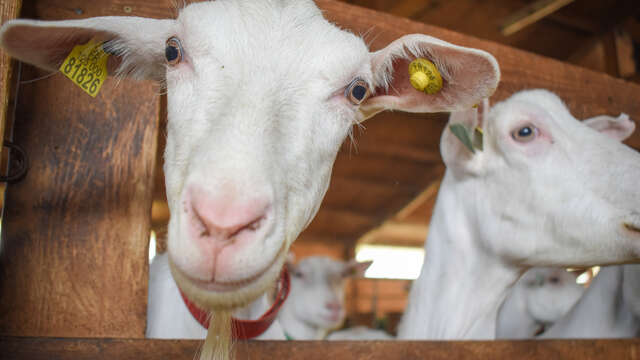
<point>261,94</point>
<point>610,308</point>
<point>536,301</point>
<point>316,301</point>
<point>546,190</point>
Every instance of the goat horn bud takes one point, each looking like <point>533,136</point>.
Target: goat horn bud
<point>424,76</point>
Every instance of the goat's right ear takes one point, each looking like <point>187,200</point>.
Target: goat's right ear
<point>355,268</point>
<point>618,128</point>
<point>138,43</point>
<point>469,76</point>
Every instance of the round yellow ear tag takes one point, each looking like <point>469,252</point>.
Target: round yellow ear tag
<point>424,76</point>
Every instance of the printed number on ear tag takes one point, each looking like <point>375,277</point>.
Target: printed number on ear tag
<point>461,132</point>
<point>86,66</point>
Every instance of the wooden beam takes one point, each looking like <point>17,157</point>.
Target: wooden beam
<point>396,233</point>
<point>624,53</point>
<point>76,228</point>
<point>530,14</point>
<point>426,195</point>
<point>9,9</point>
<point>131,349</point>
<point>408,8</point>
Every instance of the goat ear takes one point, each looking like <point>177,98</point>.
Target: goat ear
<point>618,128</point>
<point>290,263</point>
<point>138,43</point>
<point>456,155</point>
<point>355,268</point>
<point>469,75</point>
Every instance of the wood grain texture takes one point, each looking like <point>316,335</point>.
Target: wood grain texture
<point>9,9</point>
<point>108,349</point>
<point>76,229</point>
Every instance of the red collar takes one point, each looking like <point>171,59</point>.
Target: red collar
<point>248,329</point>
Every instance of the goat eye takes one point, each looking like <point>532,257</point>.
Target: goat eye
<point>525,134</point>
<point>173,51</point>
<point>357,91</point>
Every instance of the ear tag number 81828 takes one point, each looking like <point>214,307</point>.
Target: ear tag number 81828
<point>86,66</point>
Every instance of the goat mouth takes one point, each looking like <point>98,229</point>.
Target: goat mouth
<point>231,286</point>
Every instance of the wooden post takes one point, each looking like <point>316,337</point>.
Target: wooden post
<point>75,232</point>
<point>8,10</point>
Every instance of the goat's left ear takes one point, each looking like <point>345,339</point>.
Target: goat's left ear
<point>138,44</point>
<point>618,128</point>
<point>355,268</point>
<point>469,75</point>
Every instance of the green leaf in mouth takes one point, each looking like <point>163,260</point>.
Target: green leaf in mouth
<point>471,140</point>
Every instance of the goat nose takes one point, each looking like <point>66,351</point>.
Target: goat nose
<point>222,217</point>
<point>333,306</point>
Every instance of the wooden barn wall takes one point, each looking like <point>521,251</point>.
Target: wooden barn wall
<point>73,262</point>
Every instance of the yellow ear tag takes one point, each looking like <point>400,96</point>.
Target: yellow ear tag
<point>86,66</point>
<point>424,76</point>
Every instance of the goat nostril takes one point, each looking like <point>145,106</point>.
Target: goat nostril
<point>252,226</point>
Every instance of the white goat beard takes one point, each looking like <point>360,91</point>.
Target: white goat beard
<point>218,345</point>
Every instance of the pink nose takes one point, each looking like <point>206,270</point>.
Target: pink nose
<point>333,306</point>
<point>225,217</point>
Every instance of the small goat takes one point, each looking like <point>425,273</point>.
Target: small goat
<point>316,302</point>
<point>545,190</point>
<point>610,308</point>
<point>536,301</point>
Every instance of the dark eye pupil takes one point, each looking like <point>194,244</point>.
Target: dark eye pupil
<point>359,92</point>
<point>171,53</point>
<point>525,132</point>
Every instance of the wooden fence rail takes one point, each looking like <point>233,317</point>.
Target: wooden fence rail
<point>15,348</point>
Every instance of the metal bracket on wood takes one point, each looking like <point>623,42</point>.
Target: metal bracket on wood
<point>18,160</point>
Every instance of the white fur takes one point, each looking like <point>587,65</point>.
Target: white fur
<point>169,318</point>
<point>257,112</point>
<point>537,300</point>
<point>610,307</point>
<point>316,283</point>
<point>560,200</point>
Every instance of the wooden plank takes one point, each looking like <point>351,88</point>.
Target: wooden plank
<point>417,204</point>
<point>530,14</point>
<point>109,349</point>
<point>9,9</point>
<point>76,229</point>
